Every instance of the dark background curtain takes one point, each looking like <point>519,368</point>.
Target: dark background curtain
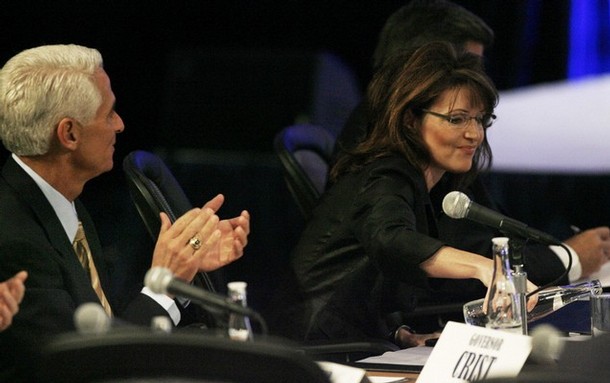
<point>139,39</point>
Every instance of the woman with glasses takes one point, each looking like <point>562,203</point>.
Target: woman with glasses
<point>371,246</point>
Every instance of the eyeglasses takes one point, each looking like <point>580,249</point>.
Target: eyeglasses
<point>462,120</point>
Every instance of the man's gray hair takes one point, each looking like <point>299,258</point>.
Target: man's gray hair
<point>41,86</point>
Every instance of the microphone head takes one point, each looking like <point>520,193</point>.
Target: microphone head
<point>547,344</point>
<point>157,279</point>
<point>456,204</point>
<point>90,318</point>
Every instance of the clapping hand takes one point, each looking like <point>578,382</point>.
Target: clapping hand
<point>200,241</point>
<point>233,238</point>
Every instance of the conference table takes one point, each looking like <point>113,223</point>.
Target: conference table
<point>400,376</point>
<point>573,320</point>
<point>404,365</point>
<point>189,348</point>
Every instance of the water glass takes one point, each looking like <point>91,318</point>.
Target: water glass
<point>474,314</point>
<point>600,314</point>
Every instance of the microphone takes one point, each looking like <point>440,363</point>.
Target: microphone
<point>547,344</point>
<point>458,205</point>
<point>161,281</point>
<point>91,319</point>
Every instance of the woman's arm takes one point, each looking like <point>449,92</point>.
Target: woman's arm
<point>449,262</point>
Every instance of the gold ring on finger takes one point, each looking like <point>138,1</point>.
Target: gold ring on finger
<point>195,243</point>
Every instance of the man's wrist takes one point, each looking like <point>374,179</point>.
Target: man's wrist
<point>166,302</point>
<point>394,335</point>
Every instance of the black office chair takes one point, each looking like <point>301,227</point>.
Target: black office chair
<point>305,152</point>
<point>154,189</point>
<point>142,355</point>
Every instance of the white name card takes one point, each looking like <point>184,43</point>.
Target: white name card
<point>469,353</point>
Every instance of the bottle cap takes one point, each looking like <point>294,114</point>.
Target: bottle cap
<point>237,286</point>
<point>499,241</point>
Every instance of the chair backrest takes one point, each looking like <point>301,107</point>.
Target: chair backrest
<point>189,356</point>
<point>304,152</point>
<point>154,189</point>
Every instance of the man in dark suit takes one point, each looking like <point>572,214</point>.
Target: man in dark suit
<point>57,118</point>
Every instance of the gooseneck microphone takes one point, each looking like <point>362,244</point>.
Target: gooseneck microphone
<point>547,344</point>
<point>458,205</point>
<point>161,281</point>
<point>90,318</point>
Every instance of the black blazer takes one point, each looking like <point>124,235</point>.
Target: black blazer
<point>33,239</point>
<point>358,258</point>
<point>541,263</point>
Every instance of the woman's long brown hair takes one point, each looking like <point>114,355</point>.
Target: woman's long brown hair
<point>407,83</point>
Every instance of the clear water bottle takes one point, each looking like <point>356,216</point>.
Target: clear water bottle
<point>239,325</point>
<point>503,304</point>
<point>549,300</point>
<point>554,298</point>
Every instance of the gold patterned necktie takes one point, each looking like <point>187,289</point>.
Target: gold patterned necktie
<point>81,247</point>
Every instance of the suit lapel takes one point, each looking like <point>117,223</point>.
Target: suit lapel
<point>41,209</point>
<point>43,212</point>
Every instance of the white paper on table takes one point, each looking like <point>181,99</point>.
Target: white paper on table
<point>339,373</point>
<point>414,356</point>
<point>386,379</point>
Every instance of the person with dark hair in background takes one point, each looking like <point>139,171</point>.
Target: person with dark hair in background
<point>372,242</point>
<point>11,294</point>
<point>58,119</point>
<point>413,25</point>
<point>420,22</point>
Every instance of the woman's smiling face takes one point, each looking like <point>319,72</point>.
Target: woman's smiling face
<point>452,144</point>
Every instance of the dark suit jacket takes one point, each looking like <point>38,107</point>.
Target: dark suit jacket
<point>358,258</point>
<point>33,239</point>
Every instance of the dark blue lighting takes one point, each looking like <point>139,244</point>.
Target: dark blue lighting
<point>589,38</point>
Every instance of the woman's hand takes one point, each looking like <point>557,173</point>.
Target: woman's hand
<point>533,300</point>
